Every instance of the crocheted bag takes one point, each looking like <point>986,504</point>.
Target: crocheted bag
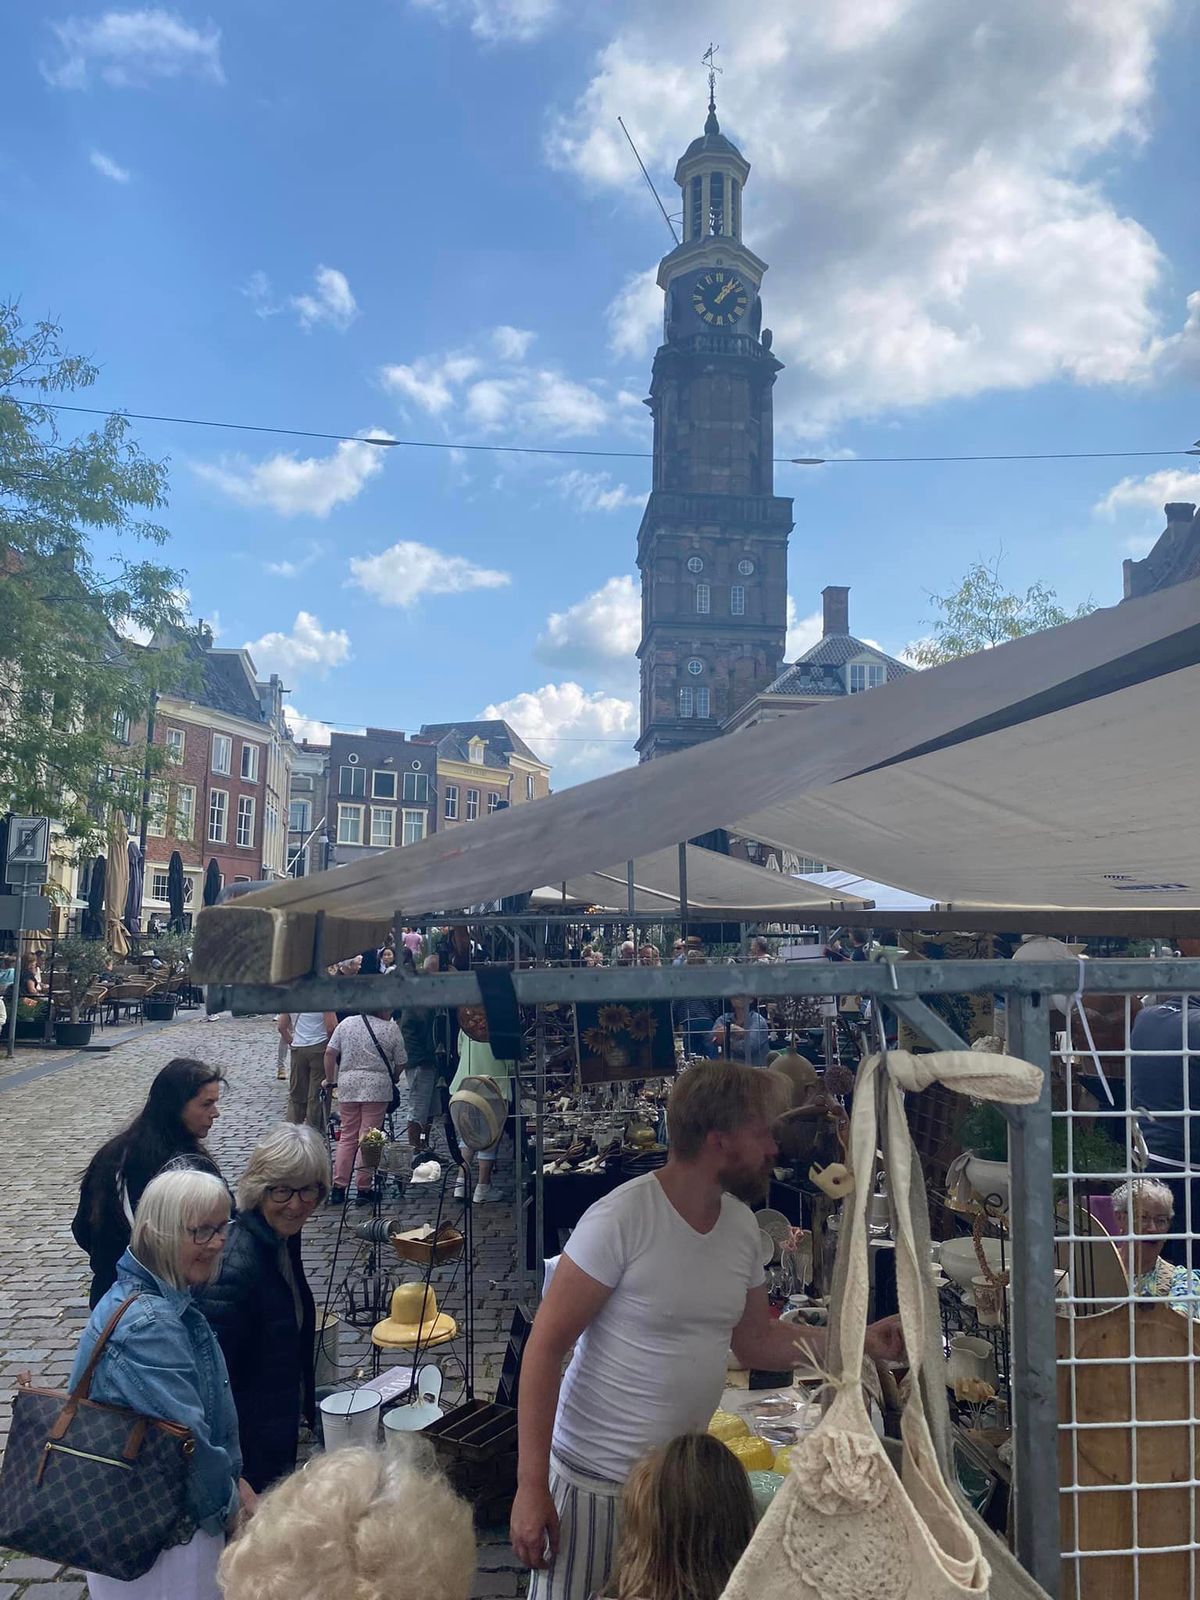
<point>845,1525</point>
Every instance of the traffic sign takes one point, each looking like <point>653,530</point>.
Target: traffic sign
<point>24,913</point>
<point>28,860</point>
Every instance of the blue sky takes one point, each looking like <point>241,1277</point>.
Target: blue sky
<point>422,219</point>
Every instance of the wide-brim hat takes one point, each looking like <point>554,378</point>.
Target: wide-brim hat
<point>414,1320</point>
<point>479,1110</point>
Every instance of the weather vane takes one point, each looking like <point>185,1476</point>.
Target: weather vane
<point>707,59</point>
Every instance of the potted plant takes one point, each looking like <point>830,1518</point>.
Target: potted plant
<point>985,1136</point>
<point>31,1018</point>
<point>75,966</point>
<point>159,1007</point>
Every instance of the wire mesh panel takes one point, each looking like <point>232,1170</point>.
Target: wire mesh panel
<point>1127,1079</point>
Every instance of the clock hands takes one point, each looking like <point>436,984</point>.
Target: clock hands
<point>726,290</point>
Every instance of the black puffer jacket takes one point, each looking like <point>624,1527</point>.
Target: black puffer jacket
<point>270,1359</point>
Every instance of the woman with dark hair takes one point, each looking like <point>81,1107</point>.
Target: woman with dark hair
<point>180,1110</point>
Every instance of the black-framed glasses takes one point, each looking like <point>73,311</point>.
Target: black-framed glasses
<point>281,1193</point>
<point>208,1231</point>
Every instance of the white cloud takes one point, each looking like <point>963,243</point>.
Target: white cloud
<point>511,344</point>
<point>636,315</point>
<point>581,734</point>
<point>308,649</point>
<point>598,635</point>
<point>925,186</point>
<point>294,565</point>
<point>399,576</point>
<point>511,21</point>
<point>331,301</point>
<point>311,730</point>
<point>802,632</point>
<point>430,381</point>
<point>1151,493</point>
<point>129,49</point>
<point>595,491</point>
<point>1178,356</point>
<point>108,168</point>
<point>297,485</point>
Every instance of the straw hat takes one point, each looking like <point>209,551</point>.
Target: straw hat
<point>479,1110</point>
<point>415,1319</point>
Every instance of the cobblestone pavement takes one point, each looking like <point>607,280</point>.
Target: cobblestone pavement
<point>56,1110</point>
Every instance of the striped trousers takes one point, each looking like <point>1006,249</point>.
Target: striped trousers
<point>589,1512</point>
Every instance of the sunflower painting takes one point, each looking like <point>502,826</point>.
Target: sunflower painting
<point>624,1041</point>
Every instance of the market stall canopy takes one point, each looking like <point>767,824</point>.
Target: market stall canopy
<point>1060,770</point>
<point>720,885</point>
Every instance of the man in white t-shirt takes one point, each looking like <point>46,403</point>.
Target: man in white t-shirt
<point>308,1033</point>
<point>656,1282</point>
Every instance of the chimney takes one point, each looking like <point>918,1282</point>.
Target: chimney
<point>836,602</point>
<point>1180,511</point>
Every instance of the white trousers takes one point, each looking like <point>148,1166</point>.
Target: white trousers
<point>589,1526</point>
<point>184,1572</point>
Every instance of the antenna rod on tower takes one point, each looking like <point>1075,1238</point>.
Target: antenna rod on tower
<point>649,183</point>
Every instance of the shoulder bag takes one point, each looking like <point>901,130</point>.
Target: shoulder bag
<point>847,1524</point>
<point>392,1079</point>
<point>94,1486</point>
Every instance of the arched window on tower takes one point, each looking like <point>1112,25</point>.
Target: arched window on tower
<point>735,208</point>
<point>703,599</point>
<point>696,209</point>
<point>716,203</point>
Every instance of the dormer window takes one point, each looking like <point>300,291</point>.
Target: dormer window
<point>475,752</point>
<point>864,675</point>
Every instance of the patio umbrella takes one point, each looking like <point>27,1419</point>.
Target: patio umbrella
<point>93,917</point>
<point>133,895</point>
<point>116,886</point>
<point>175,892</point>
<point>212,883</point>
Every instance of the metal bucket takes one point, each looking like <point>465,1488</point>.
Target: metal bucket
<point>325,1371</point>
<point>351,1417</point>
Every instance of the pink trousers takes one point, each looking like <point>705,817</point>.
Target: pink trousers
<point>357,1117</point>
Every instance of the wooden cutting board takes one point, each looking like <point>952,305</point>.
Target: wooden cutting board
<point>1115,1392</point>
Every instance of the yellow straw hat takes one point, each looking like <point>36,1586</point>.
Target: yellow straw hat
<point>414,1319</point>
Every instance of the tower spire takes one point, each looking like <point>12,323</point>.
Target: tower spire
<point>711,124</point>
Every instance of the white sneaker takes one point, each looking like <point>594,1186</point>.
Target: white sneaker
<point>460,1188</point>
<point>483,1193</point>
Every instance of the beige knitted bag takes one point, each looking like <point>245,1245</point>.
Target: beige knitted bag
<point>846,1525</point>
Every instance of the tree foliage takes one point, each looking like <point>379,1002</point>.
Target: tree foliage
<point>981,614</point>
<point>74,585</point>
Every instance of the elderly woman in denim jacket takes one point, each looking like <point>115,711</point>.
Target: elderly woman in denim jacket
<point>163,1359</point>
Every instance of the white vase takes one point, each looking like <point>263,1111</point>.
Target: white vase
<point>989,1178</point>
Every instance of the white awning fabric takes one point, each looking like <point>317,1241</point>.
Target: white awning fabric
<point>879,896</point>
<point>1060,770</point>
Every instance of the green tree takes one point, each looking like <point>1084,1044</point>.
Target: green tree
<point>981,614</point>
<point>73,586</point>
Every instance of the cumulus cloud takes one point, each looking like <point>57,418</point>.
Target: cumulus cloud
<point>297,563</point>
<point>495,21</point>
<point>636,315</point>
<point>924,185</point>
<point>297,485</point>
<point>511,344</point>
<point>331,302</point>
<point>308,650</point>
<point>108,168</point>
<point>130,49</point>
<point>430,381</point>
<point>400,575</point>
<point>581,734</point>
<point>1149,494</point>
<point>802,632</point>
<point>595,491</point>
<point>598,635</point>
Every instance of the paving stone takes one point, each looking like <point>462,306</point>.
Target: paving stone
<point>30,1567</point>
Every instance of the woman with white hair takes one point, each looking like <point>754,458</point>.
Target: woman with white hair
<point>1145,1209</point>
<point>360,1523</point>
<point>259,1302</point>
<point>163,1360</point>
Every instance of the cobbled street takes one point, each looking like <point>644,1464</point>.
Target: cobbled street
<point>57,1110</point>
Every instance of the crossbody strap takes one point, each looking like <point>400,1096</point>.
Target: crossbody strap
<point>387,1064</point>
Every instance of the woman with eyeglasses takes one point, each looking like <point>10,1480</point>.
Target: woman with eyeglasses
<point>163,1361</point>
<point>1144,1210</point>
<point>259,1302</point>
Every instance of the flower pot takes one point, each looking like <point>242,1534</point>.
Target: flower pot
<point>30,1028</point>
<point>73,1035</point>
<point>370,1154</point>
<point>159,1010</point>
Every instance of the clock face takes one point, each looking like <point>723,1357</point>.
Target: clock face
<point>720,298</point>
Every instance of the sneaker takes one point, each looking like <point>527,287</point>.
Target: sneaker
<point>484,1192</point>
<point>281,1075</point>
<point>460,1187</point>
<point>337,1197</point>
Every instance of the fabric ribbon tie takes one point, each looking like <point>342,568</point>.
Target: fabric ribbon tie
<point>1006,1079</point>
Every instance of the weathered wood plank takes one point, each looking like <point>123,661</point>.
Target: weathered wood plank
<point>266,944</point>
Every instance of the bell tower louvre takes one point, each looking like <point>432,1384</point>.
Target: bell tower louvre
<point>712,546</point>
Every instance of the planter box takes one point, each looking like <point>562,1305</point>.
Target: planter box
<point>158,1010</point>
<point>73,1034</point>
<point>31,1028</point>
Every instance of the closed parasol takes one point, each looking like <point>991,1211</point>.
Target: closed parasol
<point>93,918</point>
<point>116,886</point>
<point>175,891</point>
<point>133,894</point>
<point>212,883</point>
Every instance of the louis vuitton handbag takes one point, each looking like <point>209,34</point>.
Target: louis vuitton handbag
<point>95,1486</point>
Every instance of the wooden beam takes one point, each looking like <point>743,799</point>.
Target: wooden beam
<point>265,944</point>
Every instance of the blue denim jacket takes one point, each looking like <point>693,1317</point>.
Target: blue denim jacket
<point>164,1361</point>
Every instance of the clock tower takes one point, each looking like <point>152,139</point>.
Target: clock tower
<point>712,546</point>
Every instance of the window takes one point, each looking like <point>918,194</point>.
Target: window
<point>383,827</point>
<point>352,781</point>
<point>160,884</point>
<point>695,564</point>
<point>493,801</point>
<point>865,675</point>
<point>300,816</point>
<point>270,819</point>
<point>695,666</point>
<point>218,815</point>
<point>703,599</point>
<point>529,789</point>
<point>416,787</point>
<point>249,763</point>
<point>383,785</point>
<point>745,568</point>
<point>156,813</point>
<point>120,727</point>
<point>475,751</point>
<point>350,825</point>
<point>175,742</point>
<point>472,804</point>
<point>302,781</point>
<point>687,701</point>
<point>809,864</point>
<point>414,827</point>
<point>222,753</point>
<point>735,206</point>
<point>245,821</point>
<point>694,217</point>
<point>185,810</point>
<point>737,600</point>
<point>702,702</point>
<point>716,203</point>
<point>450,808</point>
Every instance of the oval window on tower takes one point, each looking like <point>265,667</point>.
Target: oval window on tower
<point>745,568</point>
<point>695,667</point>
<point>695,564</point>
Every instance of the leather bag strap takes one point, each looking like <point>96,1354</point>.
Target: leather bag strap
<point>379,1048</point>
<point>83,1388</point>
